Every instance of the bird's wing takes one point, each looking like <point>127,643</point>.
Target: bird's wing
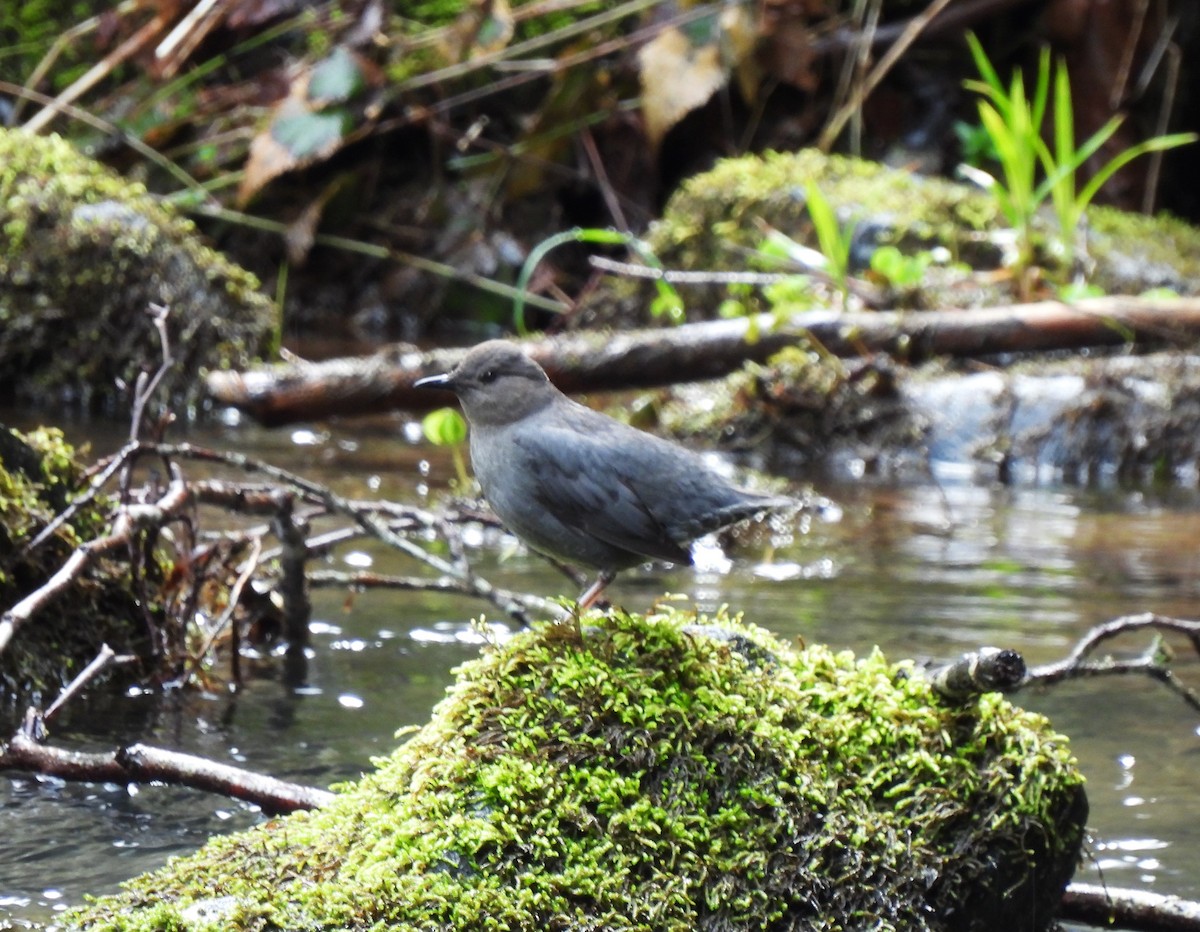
<point>583,479</point>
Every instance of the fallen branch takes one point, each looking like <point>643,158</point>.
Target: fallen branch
<point>141,763</point>
<point>693,352</point>
<point>1151,662</point>
<point>989,669</point>
<point>1133,910</point>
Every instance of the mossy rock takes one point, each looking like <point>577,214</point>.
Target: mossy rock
<point>38,473</point>
<point>671,772</point>
<point>83,254</point>
<point>716,220</point>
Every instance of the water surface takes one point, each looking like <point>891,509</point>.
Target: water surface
<point>924,572</point>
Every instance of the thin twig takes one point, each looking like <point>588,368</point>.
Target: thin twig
<point>323,579</point>
<point>126,50</point>
<point>915,27</point>
<point>235,594</point>
<point>105,657</point>
<point>681,277</point>
<point>1150,663</point>
<point>95,484</point>
<point>476,586</point>
<point>147,387</point>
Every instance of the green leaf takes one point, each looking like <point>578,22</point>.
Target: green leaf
<point>667,304</point>
<point>308,135</point>
<point>1077,291</point>
<point>444,427</point>
<point>335,79</point>
<point>834,239</point>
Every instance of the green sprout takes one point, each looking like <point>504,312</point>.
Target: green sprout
<point>900,271</point>
<point>830,262</point>
<point>834,238</point>
<point>668,302</point>
<point>1013,120</point>
<point>445,427</point>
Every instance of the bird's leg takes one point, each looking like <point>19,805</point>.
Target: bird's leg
<point>588,597</point>
<point>592,592</point>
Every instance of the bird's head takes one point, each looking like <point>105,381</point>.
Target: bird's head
<point>496,383</point>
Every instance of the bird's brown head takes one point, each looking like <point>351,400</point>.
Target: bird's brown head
<point>496,383</point>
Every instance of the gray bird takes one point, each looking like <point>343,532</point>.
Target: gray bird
<point>576,485</point>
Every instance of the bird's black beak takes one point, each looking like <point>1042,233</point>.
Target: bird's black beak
<point>436,381</point>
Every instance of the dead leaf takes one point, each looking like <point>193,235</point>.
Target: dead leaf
<point>310,124</point>
<point>301,233</point>
<point>676,78</point>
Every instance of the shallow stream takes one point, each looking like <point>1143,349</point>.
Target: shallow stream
<point>925,572</point>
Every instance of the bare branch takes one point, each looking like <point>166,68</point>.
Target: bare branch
<point>1152,661</point>
<point>235,594</point>
<point>103,659</point>
<point>140,763</point>
<point>95,484</point>
<point>475,586</point>
<point>1135,910</point>
<point>147,386</point>
<point>129,519</point>
<point>322,579</point>
<point>290,529</point>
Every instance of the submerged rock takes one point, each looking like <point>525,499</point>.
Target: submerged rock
<point>83,253</point>
<point>671,772</point>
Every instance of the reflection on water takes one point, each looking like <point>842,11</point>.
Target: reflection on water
<point>921,572</point>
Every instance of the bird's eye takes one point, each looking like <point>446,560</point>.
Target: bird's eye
<point>489,375</point>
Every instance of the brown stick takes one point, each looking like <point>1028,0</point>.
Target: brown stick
<point>1136,910</point>
<point>1079,663</point>
<point>140,763</point>
<point>711,349</point>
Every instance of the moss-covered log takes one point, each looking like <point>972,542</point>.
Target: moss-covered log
<point>83,253</point>
<point>667,773</point>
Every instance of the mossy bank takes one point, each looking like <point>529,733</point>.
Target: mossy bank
<point>39,474</point>
<point>83,255</point>
<point>671,772</point>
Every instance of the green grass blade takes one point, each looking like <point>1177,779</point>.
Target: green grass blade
<point>1157,144</point>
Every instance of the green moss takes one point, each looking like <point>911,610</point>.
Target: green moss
<point>82,256</point>
<point>715,221</point>
<point>670,772</point>
<point>1134,252</point>
<point>912,210</point>
<point>38,474</point>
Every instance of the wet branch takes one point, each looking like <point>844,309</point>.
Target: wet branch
<point>129,520</point>
<point>141,763</point>
<point>283,394</point>
<point>989,669</point>
<point>1152,662</point>
<point>1134,910</point>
